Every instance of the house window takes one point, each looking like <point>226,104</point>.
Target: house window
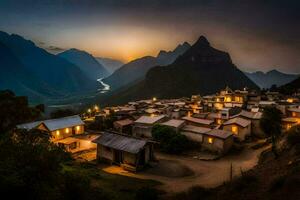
<point>57,133</point>
<point>67,130</point>
<point>234,129</point>
<point>210,140</point>
<point>294,114</point>
<point>289,126</point>
<point>77,128</point>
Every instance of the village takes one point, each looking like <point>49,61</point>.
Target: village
<point>222,133</point>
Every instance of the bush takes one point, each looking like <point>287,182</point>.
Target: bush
<point>277,183</point>
<point>193,193</point>
<point>170,141</point>
<point>293,135</point>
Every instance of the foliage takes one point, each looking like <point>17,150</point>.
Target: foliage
<point>270,123</point>
<point>103,123</point>
<point>62,113</point>
<point>15,110</point>
<point>293,135</point>
<point>170,141</point>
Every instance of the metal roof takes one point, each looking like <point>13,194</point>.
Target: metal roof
<point>121,142</point>
<point>195,129</point>
<point>219,133</point>
<point>198,120</point>
<point>54,124</point>
<point>149,119</point>
<point>251,115</point>
<point>173,123</point>
<point>239,121</point>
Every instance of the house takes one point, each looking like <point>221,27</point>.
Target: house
<point>288,122</point>
<point>219,141</point>
<point>254,117</point>
<point>241,128</point>
<point>142,127</point>
<point>194,133</point>
<point>293,112</point>
<point>198,122</point>
<point>175,124</point>
<point>62,131</point>
<point>128,152</point>
<point>123,126</point>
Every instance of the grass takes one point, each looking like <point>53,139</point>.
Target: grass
<point>115,187</point>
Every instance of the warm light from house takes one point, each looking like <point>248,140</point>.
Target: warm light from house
<point>57,133</point>
<point>288,126</point>
<point>89,110</point>
<point>78,128</point>
<point>67,130</point>
<point>228,99</point>
<point>154,99</point>
<point>290,100</point>
<point>96,108</point>
<point>234,129</point>
<point>294,114</point>
<point>210,140</point>
<point>189,114</point>
<point>219,121</point>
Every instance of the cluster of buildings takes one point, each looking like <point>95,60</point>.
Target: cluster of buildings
<point>214,122</point>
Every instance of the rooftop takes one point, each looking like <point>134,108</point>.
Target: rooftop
<point>196,129</point>
<point>173,123</point>
<point>149,119</point>
<point>219,133</point>
<point>198,120</point>
<point>121,142</point>
<point>239,121</point>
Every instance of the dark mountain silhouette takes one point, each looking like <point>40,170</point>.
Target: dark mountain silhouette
<point>111,65</point>
<point>201,69</point>
<point>273,77</point>
<point>14,76</point>
<point>86,62</point>
<point>55,72</point>
<point>292,87</point>
<point>137,69</point>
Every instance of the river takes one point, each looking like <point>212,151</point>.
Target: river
<point>105,87</point>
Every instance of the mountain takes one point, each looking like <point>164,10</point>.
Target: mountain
<point>292,87</point>
<point>54,72</point>
<point>86,62</point>
<point>14,76</point>
<point>137,69</point>
<point>273,77</point>
<point>111,65</point>
<point>201,69</point>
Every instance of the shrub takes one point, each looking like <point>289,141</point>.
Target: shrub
<point>293,135</point>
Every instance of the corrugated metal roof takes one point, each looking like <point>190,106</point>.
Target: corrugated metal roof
<point>173,123</point>
<point>239,121</point>
<point>54,124</point>
<point>195,129</point>
<point>149,119</point>
<point>251,115</point>
<point>219,133</point>
<point>199,121</point>
<point>121,142</point>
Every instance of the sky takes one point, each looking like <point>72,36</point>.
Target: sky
<point>258,34</point>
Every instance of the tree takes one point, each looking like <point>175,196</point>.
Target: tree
<point>270,123</point>
<point>15,110</point>
<point>170,141</point>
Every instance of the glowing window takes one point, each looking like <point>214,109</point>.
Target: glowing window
<point>57,133</point>
<point>289,126</point>
<point>67,130</point>
<point>234,129</point>
<point>210,140</point>
<point>78,128</point>
<point>293,114</point>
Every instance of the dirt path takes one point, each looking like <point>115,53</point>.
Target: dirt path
<point>204,173</point>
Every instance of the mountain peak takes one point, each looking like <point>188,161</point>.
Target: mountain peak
<point>202,41</point>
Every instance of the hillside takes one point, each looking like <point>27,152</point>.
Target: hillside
<point>86,62</point>
<point>55,72</point>
<point>137,69</point>
<point>291,87</point>
<point>273,77</point>
<point>201,69</point>
<point>111,65</point>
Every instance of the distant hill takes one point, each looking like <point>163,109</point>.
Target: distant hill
<point>45,73</point>
<point>111,65</point>
<point>273,77</point>
<point>86,62</point>
<point>292,87</point>
<point>14,76</point>
<point>201,69</point>
<point>137,69</point>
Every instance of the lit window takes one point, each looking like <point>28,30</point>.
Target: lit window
<point>210,140</point>
<point>78,128</point>
<point>289,126</point>
<point>234,129</point>
<point>57,133</point>
<point>294,114</point>
<point>67,130</point>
